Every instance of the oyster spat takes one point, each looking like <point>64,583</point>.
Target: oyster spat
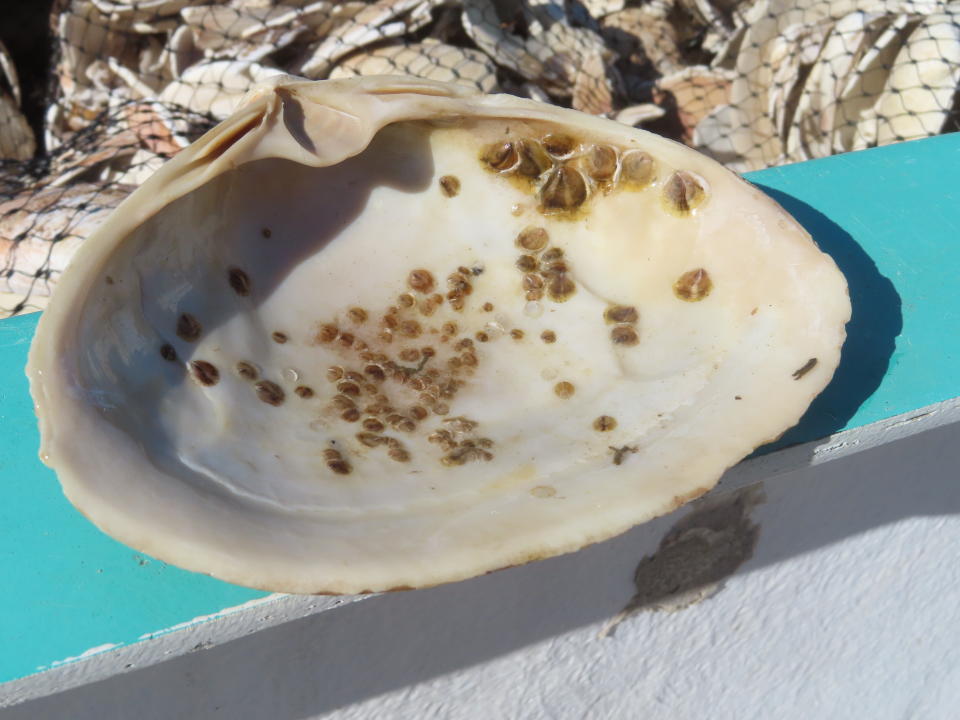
<point>382,333</point>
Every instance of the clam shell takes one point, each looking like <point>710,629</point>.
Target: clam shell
<point>385,333</point>
<point>431,60</point>
<point>16,136</point>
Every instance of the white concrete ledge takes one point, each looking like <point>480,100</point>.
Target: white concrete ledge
<point>849,599</point>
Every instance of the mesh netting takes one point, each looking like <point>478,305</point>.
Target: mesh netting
<point>751,83</point>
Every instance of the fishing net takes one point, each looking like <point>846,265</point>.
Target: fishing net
<point>753,83</point>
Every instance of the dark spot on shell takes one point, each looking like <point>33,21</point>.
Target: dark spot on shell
<point>693,285</point>
<point>450,186</point>
<point>420,280</point>
<point>247,371</point>
<point>682,193</point>
<point>488,307</point>
<point>565,189</point>
<point>327,333</point>
<point>600,163</point>
<point>304,391</point>
<point>558,144</point>
<point>239,281</point>
<point>564,389</point>
<point>548,336</point>
<point>527,263</point>
<point>269,392</point>
<point>499,156</point>
<point>168,352</point>
<point>188,328</point>
<point>357,315</point>
<point>604,423</point>
<point>534,160</point>
<point>109,280</point>
<point>204,372</point>
<point>533,238</point>
<point>620,453</point>
<point>807,367</point>
<point>624,335</point>
<point>637,168</point>
<point>266,232</point>
<point>279,337</point>
<point>620,314</point>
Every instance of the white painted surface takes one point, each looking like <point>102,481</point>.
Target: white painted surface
<point>849,608</point>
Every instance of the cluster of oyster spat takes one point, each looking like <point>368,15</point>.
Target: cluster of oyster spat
<point>565,173</point>
<point>346,354</point>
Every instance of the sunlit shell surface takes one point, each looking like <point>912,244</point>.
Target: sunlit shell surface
<point>383,333</point>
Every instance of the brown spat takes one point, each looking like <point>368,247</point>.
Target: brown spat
<point>327,333</point>
<point>499,156</point>
<point>561,287</point>
<point>601,163</point>
<point>204,372</point>
<point>637,168</point>
<point>682,193</point>
<point>247,371</point>
<point>533,238</point>
<point>558,144</point>
<point>269,392</point>
<point>168,352</point>
<point>565,189</point>
<point>239,281</point>
<point>357,315</point>
<point>564,389</point>
<point>624,335</point>
<point>621,314</point>
<point>534,160</point>
<point>450,186</point>
<point>604,423</point>
<point>188,328</point>
<point>693,285</point>
<point>420,280</point>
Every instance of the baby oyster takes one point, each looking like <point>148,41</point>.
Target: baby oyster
<point>387,333</point>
